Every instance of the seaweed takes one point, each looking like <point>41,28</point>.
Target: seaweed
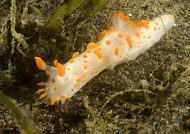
<point>21,119</point>
<point>20,38</point>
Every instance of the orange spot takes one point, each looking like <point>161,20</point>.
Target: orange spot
<point>102,34</point>
<point>54,101</point>
<point>143,23</point>
<point>98,71</point>
<point>95,68</point>
<point>61,70</point>
<point>120,35</point>
<point>138,34</point>
<point>98,44</point>
<point>78,79</point>
<point>72,89</point>
<point>55,63</point>
<point>122,49</point>
<point>40,63</point>
<point>172,16</point>
<point>43,96</point>
<point>114,14</point>
<point>116,52</point>
<point>85,66</point>
<point>112,29</point>
<point>47,73</point>
<point>89,51</point>
<point>48,88</point>
<point>159,28</point>
<point>100,49</point>
<point>128,39</point>
<point>98,54</point>
<point>71,60</point>
<point>85,61</point>
<point>55,88</point>
<point>149,37</point>
<point>84,76</point>
<point>121,56</point>
<point>53,80</point>
<point>68,69</point>
<point>108,42</point>
<point>155,28</point>
<point>156,23</point>
<point>85,56</point>
<point>92,44</point>
<point>40,90</point>
<point>110,51</point>
<point>63,96</point>
<point>141,32</point>
<point>83,80</point>
<point>75,54</point>
<point>143,36</point>
<point>92,73</point>
<point>41,84</point>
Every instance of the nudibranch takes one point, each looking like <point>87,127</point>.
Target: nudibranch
<point>123,42</point>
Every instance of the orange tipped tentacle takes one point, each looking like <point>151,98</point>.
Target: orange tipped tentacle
<point>40,63</point>
<point>54,101</point>
<point>41,84</point>
<point>40,90</point>
<point>60,70</point>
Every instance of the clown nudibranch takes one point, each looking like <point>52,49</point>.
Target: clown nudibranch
<point>123,42</point>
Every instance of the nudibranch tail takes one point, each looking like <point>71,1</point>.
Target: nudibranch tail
<point>124,41</point>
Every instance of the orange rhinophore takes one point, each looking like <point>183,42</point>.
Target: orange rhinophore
<point>40,63</point>
<point>55,63</point>
<point>60,70</point>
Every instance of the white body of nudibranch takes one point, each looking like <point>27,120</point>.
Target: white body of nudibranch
<point>123,42</point>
